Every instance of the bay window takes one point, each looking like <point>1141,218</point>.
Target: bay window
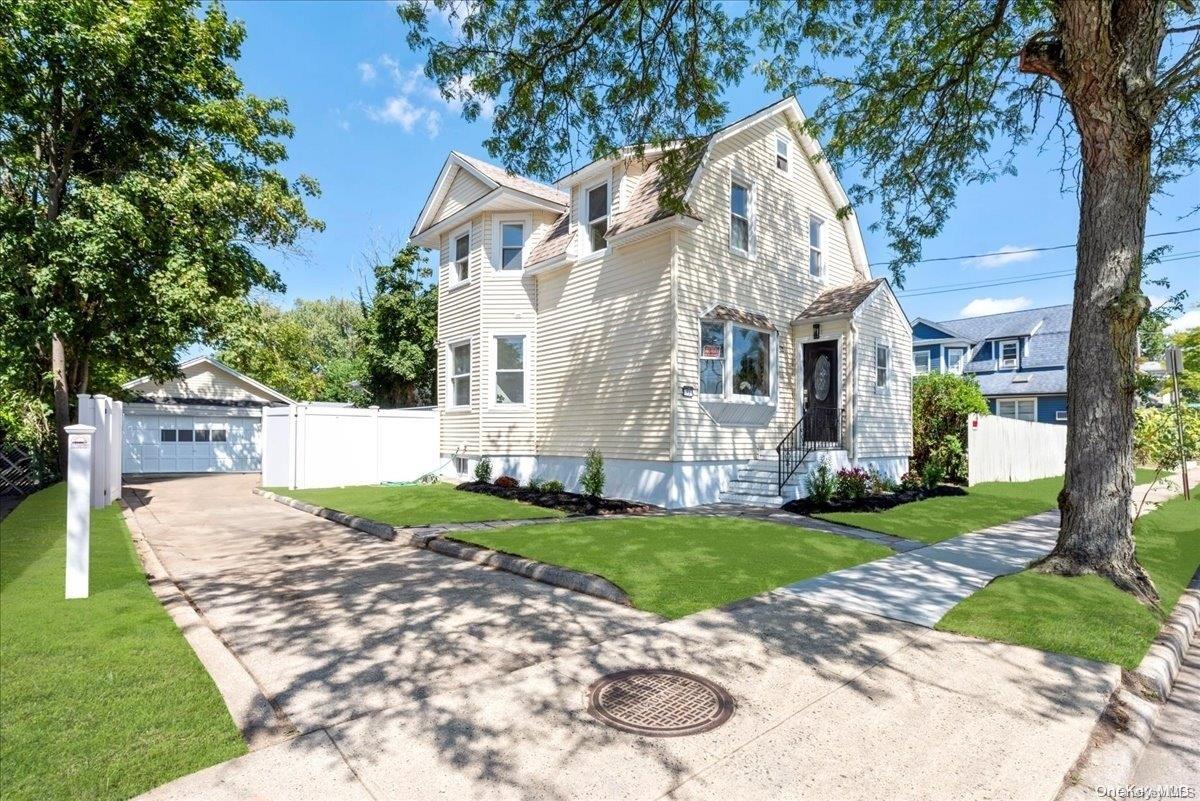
<point>462,258</point>
<point>460,374</point>
<point>736,362</point>
<point>510,369</point>
<point>512,242</point>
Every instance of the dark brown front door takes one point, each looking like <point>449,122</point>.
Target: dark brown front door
<point>820,393</point>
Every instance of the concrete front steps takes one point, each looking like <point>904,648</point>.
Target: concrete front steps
<point>756,483</point>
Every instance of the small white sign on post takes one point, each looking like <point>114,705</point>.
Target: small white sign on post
<point>79,507</point>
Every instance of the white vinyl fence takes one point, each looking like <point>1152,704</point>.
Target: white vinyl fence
<point>1003,449</point>
<point>321,446</point>
<point>107,416</point>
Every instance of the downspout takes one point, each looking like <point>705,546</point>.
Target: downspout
<point>851,385</point>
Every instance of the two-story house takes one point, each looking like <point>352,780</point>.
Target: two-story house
<point>708,355</point>
<point>1019,358</point>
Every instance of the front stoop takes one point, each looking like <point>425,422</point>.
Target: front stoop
<point>756,482</point>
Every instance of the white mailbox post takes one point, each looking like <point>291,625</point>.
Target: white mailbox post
<point>79,507</point>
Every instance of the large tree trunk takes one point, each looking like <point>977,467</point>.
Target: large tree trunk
<point>1103,55</point>
<point>62,398</point>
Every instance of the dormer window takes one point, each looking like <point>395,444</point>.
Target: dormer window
<point>1010,354</point>
<point>782,151</point>
<point>597,216</point>
<point>462,258</point>
<point>512,242</point>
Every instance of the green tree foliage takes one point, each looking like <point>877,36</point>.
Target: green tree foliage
<point>1189,379</point>
<point>920,98</point>
<point>137,180</point>
<point>1156,437</point>
<point>313,351</point>
<point>399,330</point>
<point>941,403</point>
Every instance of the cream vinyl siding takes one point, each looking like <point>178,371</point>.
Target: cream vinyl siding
<point>773,281</point>
<point>203,383</point>
<point>603,354</point>
<point>464,190</point>
<point>882,419</point>
<point>458,321</point>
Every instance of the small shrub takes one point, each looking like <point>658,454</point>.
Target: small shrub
<point>508,482</point>
<point>593,474</point>
<point>932,473</point>
<point>553,485</point>
<point>483,470</point>
<point>952,457</point>
<point>820,482</point>
<point>535,484</point>
<point>852,483</point>
<point>911,481</point>
<point>879,483</point>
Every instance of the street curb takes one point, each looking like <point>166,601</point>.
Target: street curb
<point>1127,723</point>
<point>373,527</point>
<point>434,539</point>
<point>259,722</point>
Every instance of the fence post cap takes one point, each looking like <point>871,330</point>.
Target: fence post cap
<point>80,428</point>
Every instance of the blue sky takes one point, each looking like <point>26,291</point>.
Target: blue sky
<point>371,129</point>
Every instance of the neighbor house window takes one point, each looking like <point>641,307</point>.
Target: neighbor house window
<point>462,258</point>
<point>1010,353</point>
<point>1061,415</point>
<point>460,374</point>
<point>201,435</point>
<point>510,369</point>
<point>166,435</point>
<point>920,362</point>
<point>512,242</point>
<point>1017,408</point>
<point>739,217</point>
<point>954,359</point>
<point>816,256</point>
<point>185,435</point>
<point>781,153</point>
<point>883,355</point>
<point>712,358</point>
<point>735,361</point>
<point>597,216</point>
<point>219,434</point>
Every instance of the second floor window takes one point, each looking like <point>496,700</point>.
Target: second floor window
<point>920,361</point>
<point>954,359</point>
<point>883,356</point>
<point>816,255</point>
<point>460,375</point>
<point>597,216</point>
<point>462,258</point>
<point>1010,354</point>
<point>739,217</point>
<point>510,369</point>
<point>512,241</point>
<point>781,153</point>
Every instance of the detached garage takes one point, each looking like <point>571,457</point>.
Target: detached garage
<point>209,420</point>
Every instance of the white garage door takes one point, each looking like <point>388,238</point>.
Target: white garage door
<point>172,443</point>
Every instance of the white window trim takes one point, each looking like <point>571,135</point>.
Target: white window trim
<point>946,368</point>
<point>498,221</point>
<point>728,395</point>
<point>1060,415</point>
<point>888,369</point>
<point>454,237</point>
<point>451,405</point>
<point>526,372</point>
<point>824,221</point>
<point>1015,400</point>
<point>787,153</point>
<point>1000,360</point>
<point>585,226</point>
<point>741,178</point>
<point>928,362</point>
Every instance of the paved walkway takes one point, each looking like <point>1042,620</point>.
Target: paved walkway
<point>1173,755</point>
<point>416,676</point>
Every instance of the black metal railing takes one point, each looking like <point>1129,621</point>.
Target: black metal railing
<point>817,430</point>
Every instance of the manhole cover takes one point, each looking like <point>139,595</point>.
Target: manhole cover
<point>658,702</point>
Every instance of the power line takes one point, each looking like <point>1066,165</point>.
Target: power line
<point>939,290</point>
<point>1023,250</point>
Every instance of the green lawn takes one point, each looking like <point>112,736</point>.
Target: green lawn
<point>679,565</point>
<point>418,504</point>
<point>1087,616</point>
<point>984,505</point>
<point>99,697</point>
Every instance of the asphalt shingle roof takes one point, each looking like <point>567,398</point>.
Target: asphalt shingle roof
<point>556,241</point>
<point>1026,382</point>
<point>517,182</point>
<point>843,300</point>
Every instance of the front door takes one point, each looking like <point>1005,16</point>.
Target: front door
<point>820,413</point>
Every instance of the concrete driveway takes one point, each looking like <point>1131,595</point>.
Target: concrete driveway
<point>417,676</point>
<point>333,623</point>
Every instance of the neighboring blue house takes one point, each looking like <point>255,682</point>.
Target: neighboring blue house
<point>1019,358</point>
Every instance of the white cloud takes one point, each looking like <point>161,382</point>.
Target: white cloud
<point>1190,319</point>
<point>417,103</point>
<point>1009,254</point>
<point>982,306</point>
<point>399,110</point>
<point>367,71</point>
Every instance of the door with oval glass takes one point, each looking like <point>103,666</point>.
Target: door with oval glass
<point>821,392</point>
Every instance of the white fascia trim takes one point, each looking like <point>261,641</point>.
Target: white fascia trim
<point>434,200</point>
<point>950,335</point>
<point>681,222</point>
<point>550,265</point>
<point>210,361</point>
<point>428,238</point>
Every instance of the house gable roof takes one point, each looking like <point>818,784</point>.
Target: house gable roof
<point>217,366</point>
<point>840,302</point>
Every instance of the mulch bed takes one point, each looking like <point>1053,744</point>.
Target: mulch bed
<point>870,503</point>
<point>570,502</point>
